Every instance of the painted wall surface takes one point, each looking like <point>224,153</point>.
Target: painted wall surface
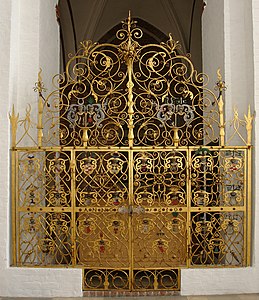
<point>29,41</point>
<point>213,39</point>
<point>241,56</point>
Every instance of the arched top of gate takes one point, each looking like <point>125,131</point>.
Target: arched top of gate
<point>151,34</point>
<point>130,95</point>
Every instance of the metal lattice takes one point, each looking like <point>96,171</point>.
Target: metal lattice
<point>128,174</point>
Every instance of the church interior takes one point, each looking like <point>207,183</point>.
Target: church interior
<point>129,149</point>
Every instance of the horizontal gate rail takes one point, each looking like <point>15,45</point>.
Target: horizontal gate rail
<point>128,173</point>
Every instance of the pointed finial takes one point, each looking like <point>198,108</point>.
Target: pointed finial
<point>129,21</point>
<point>14,122</point>
<point>13,115</point>
<point>219,75</point>
<point>249,125</point>
<point>171,43</point>
<point>249,111</point>
<point>39,75</point>
<point>39,86</point>
<point>220,85</point>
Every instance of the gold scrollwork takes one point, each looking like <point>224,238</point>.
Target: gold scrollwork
<point>128,173</point>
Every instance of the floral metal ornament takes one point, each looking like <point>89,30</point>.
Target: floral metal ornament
<point>131,171</point>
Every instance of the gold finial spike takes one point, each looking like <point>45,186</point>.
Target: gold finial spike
<point>39,83</point>
<point>129,21</point>
<point>39,75</point>
<point>39,86</point>
<point>171,41</point>
<point>172,44</point>
<point>14,123</point>
<point>221,86</point>
<point>249,125</point>
<point>220,83</point>
<point>129,31</point>
<point>13,112</point>
<point>219,75</point>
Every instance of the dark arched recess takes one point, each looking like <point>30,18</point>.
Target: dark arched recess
<point>151,34</point>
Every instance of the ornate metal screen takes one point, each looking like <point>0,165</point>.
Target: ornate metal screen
<point>128,173</point>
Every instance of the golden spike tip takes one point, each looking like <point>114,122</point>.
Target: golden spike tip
<point>249,117</point>
<point>39,75</point>
<point>129,21</point>
<point>249,111</point>
<point>249,125</point>
<point>219,75</point>
<point>13,115</point>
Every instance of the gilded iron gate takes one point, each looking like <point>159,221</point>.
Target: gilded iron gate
<point>129,175</point>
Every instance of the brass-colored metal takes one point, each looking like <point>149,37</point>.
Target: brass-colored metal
<point>39,87</point>
<point>85,137</point>
<point>249,207</point>
<point>176,137</point>
<point>249,125</point>
<point>130,218</point>
<point>129,57</point>
<point>14,123</point>
<point>221,87</point>
<point>73,204</point>
<point>189,199</point>
<point>14,209</point>
<point>239,126</point>
<point>130,177</point>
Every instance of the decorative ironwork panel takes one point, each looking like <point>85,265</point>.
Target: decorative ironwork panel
<point>31,178</point>
<point>102,193</point>
<point>142,280</point>
<point>90,99</point>
<point>102,239</point>
<point>44,179</point>
<point>160,178</point>
<point>168,279</point>
<point>171,99</point>
<point>106,279</point>
<point>102,178</point>
<point>159,226</point>
<point>44,239</point>
<point>127,173</point>
<point>217,239</point>
<point>159,238</point>
<point>218,177</point>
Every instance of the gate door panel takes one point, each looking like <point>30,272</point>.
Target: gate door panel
<point>102,230</point>
<point>218,207</point>
<point>159,212</point>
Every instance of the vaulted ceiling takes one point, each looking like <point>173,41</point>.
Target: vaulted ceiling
<point>92,19</point>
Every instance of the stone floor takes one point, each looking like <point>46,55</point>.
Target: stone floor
<point>224,297</point>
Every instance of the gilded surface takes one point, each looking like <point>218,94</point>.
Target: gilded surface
<point>127,172</point>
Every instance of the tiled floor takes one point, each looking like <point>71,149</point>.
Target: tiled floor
<point>224,297</point>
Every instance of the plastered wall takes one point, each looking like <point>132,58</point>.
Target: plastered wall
<point>29,39</point>
<point>236,51</point>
